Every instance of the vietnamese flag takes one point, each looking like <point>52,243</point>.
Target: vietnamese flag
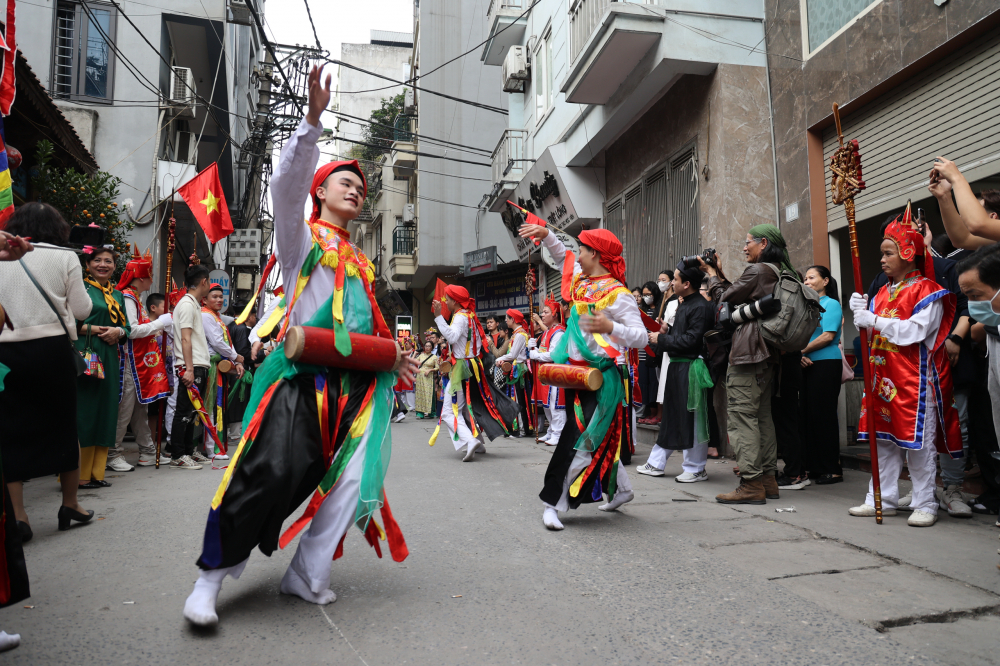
<point>439,296</point>
<point>530,218</point>
<point>203,195</point>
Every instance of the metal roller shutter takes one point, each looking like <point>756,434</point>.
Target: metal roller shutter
<point>949,110</point>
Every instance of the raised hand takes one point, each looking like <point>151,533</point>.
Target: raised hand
<point>532,231</point>
<point>319,95</point>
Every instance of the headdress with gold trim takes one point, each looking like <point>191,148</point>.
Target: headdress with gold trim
<point>139,267</point>
<point>910,243</point>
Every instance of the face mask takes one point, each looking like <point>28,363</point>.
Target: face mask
<point>663,285</point>
<point>982,311</point>
<point>648,300</point>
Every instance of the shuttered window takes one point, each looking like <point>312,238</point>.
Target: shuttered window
<point>949,110</point>
<point>656,217</point>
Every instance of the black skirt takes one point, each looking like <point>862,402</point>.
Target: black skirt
<point>38,409</point>
<point>677,422</point>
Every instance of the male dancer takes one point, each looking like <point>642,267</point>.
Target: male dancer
<point>519,381</point>
<point>220,346</point>
<point>309,430</point>
<point>586,461</point>
<point>467,389</point>
<point>552,399</point>
<point>684,426</point>
<point>914,413</point>
<point>144,379</point>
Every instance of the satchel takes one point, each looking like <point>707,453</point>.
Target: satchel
<point>846,371</point>
<point>94,367</point>
<point>78,361</point>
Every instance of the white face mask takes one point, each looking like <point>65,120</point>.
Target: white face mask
<point>663,285</point>
<point>648,300</point>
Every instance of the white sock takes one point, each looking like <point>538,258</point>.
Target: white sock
<point>199,608</point>
<point>9,641</point>
<point>291,583</point>
<point>620,498</point>
<point>551,519</point>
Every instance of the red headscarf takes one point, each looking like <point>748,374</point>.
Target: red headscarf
<point>516,315</point>
<point>323,173</point>
<point>610,248</point>
<point>910,243</point>
<point>551,304</point>
<point>461,296</point>
<point>139,267</point>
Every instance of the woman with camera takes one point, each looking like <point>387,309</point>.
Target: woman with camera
<point>821,371</point>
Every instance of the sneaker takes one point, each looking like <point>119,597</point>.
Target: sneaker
<point>867,511</point>
<point>199,457</point>
<point>797,483</point>
<point>184,462</point>
<point>921,519</point>
<point>151,460</point>
<point>905,501</point>
<point>950,499</point>
<point>649,470</point>
<point>688,477</point>
<point>402,415</point>
<point>118,464</point>
<point>220,456</point>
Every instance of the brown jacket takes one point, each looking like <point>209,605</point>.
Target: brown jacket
<point>757,281</point>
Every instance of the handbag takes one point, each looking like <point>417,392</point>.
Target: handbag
<point>846,371</point>
<point>78,362</point>
<point>94,367</point>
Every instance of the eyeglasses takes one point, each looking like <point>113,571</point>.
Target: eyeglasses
<point>752,240</point>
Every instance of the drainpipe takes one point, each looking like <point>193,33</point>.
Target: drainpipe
<point>770,112</point>
<point>152,182</point>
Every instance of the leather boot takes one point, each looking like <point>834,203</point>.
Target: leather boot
<point>748,492</point>
<point>770,486</point>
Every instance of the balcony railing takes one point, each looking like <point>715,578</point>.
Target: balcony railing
<point>584,16</point>
<point>500,5</point>
<point>405,127</point>
<point>510,147</point>
<point>375,183</point>
<point>404,240</point>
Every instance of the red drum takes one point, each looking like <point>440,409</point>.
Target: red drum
<point>574,377</point>
<point>316,346</point>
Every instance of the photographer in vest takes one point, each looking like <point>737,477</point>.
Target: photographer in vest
<point>751,374</point>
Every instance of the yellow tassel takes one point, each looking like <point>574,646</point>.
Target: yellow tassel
<point>246,311</point>
<point>434,436</point>
<point>271,322</point>
<point>338,305</point>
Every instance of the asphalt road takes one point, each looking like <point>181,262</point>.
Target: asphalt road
<point>659,582</point>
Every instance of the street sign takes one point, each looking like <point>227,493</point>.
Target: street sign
<point>481,261</point>
<point>221,278</point>
<point>404,327</point>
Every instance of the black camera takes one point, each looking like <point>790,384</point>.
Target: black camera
<point>81,236</point>
<point>708,256</point>
<point>731,317</point>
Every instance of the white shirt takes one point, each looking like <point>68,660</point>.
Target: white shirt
<point>187,314</point>
<point>216,341</point>
<point>518,351</point>
<point>137,330</point>
<point>293,240</point>
<point>628,330</point>
<point>457,335</point>
<point>546,356</point>
<point>921,327</point>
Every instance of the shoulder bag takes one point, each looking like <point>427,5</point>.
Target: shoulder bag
<point>81,366</point>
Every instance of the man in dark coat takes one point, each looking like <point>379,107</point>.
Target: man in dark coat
<point>240,335</point>
<point>684,426</point>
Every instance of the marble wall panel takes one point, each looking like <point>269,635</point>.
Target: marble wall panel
<point>922,27</point>
<point>793,179</point>
<point>873,47</point>
<point>827,79</point>
<point>964,14</point>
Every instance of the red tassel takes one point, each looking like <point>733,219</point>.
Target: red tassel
<point>397,545</point>
<point>371,534</point>
<point>569,263</point>
<point>303,520</point>
<point>339,553</point>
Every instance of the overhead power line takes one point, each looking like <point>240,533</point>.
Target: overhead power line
<point>315,34</point>
<point>412,152</point>
<point>445,144</point>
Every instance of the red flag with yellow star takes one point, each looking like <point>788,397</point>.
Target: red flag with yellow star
<point>203,195</point>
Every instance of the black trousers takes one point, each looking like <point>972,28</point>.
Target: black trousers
<point>818,413</point>
<point>185,419</point>
<point>785,413</point>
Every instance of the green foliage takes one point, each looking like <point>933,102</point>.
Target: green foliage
<point>83,199</point>
<point>380,134</point>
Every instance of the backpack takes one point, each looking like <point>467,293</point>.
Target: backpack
<point>790,329</point>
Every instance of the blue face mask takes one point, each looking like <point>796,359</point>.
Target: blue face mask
<point>982,311</point>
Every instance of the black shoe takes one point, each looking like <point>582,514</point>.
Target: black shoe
<point>827,479</point>
<point>67,514</point>
<point>102,483</point>
<point>90,485</point>
<point>25,530</point>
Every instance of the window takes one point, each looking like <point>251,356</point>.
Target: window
<point>83,59</point>
<point>827,18</point>
<point>542,72</point>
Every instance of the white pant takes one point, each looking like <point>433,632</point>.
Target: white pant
<point>555,416</point>
<point>168,418</point>
<point>410,400</point>
<point>234,434</point>
<point>695,458</point>
<point>132,412</point>
<point>922,465</point>
<point>316,547</point>
<point>580,462</point>
<point>448,417</point>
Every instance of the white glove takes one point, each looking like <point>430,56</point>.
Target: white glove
<point>864,318</point>
<point>533,355</point>
<point>165,320</point>
<point>858,302</point>
<point>532,343</point>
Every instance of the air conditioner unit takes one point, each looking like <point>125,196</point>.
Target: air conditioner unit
<point>409,102</point>
<point>240,13</point>
<point>187,149</point>
<point>182,87</point>
<point>516,69</point>
<point>408,217</point>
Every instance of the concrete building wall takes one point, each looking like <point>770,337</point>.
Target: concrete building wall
<point>391,61</point>
<point>447,231</point>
